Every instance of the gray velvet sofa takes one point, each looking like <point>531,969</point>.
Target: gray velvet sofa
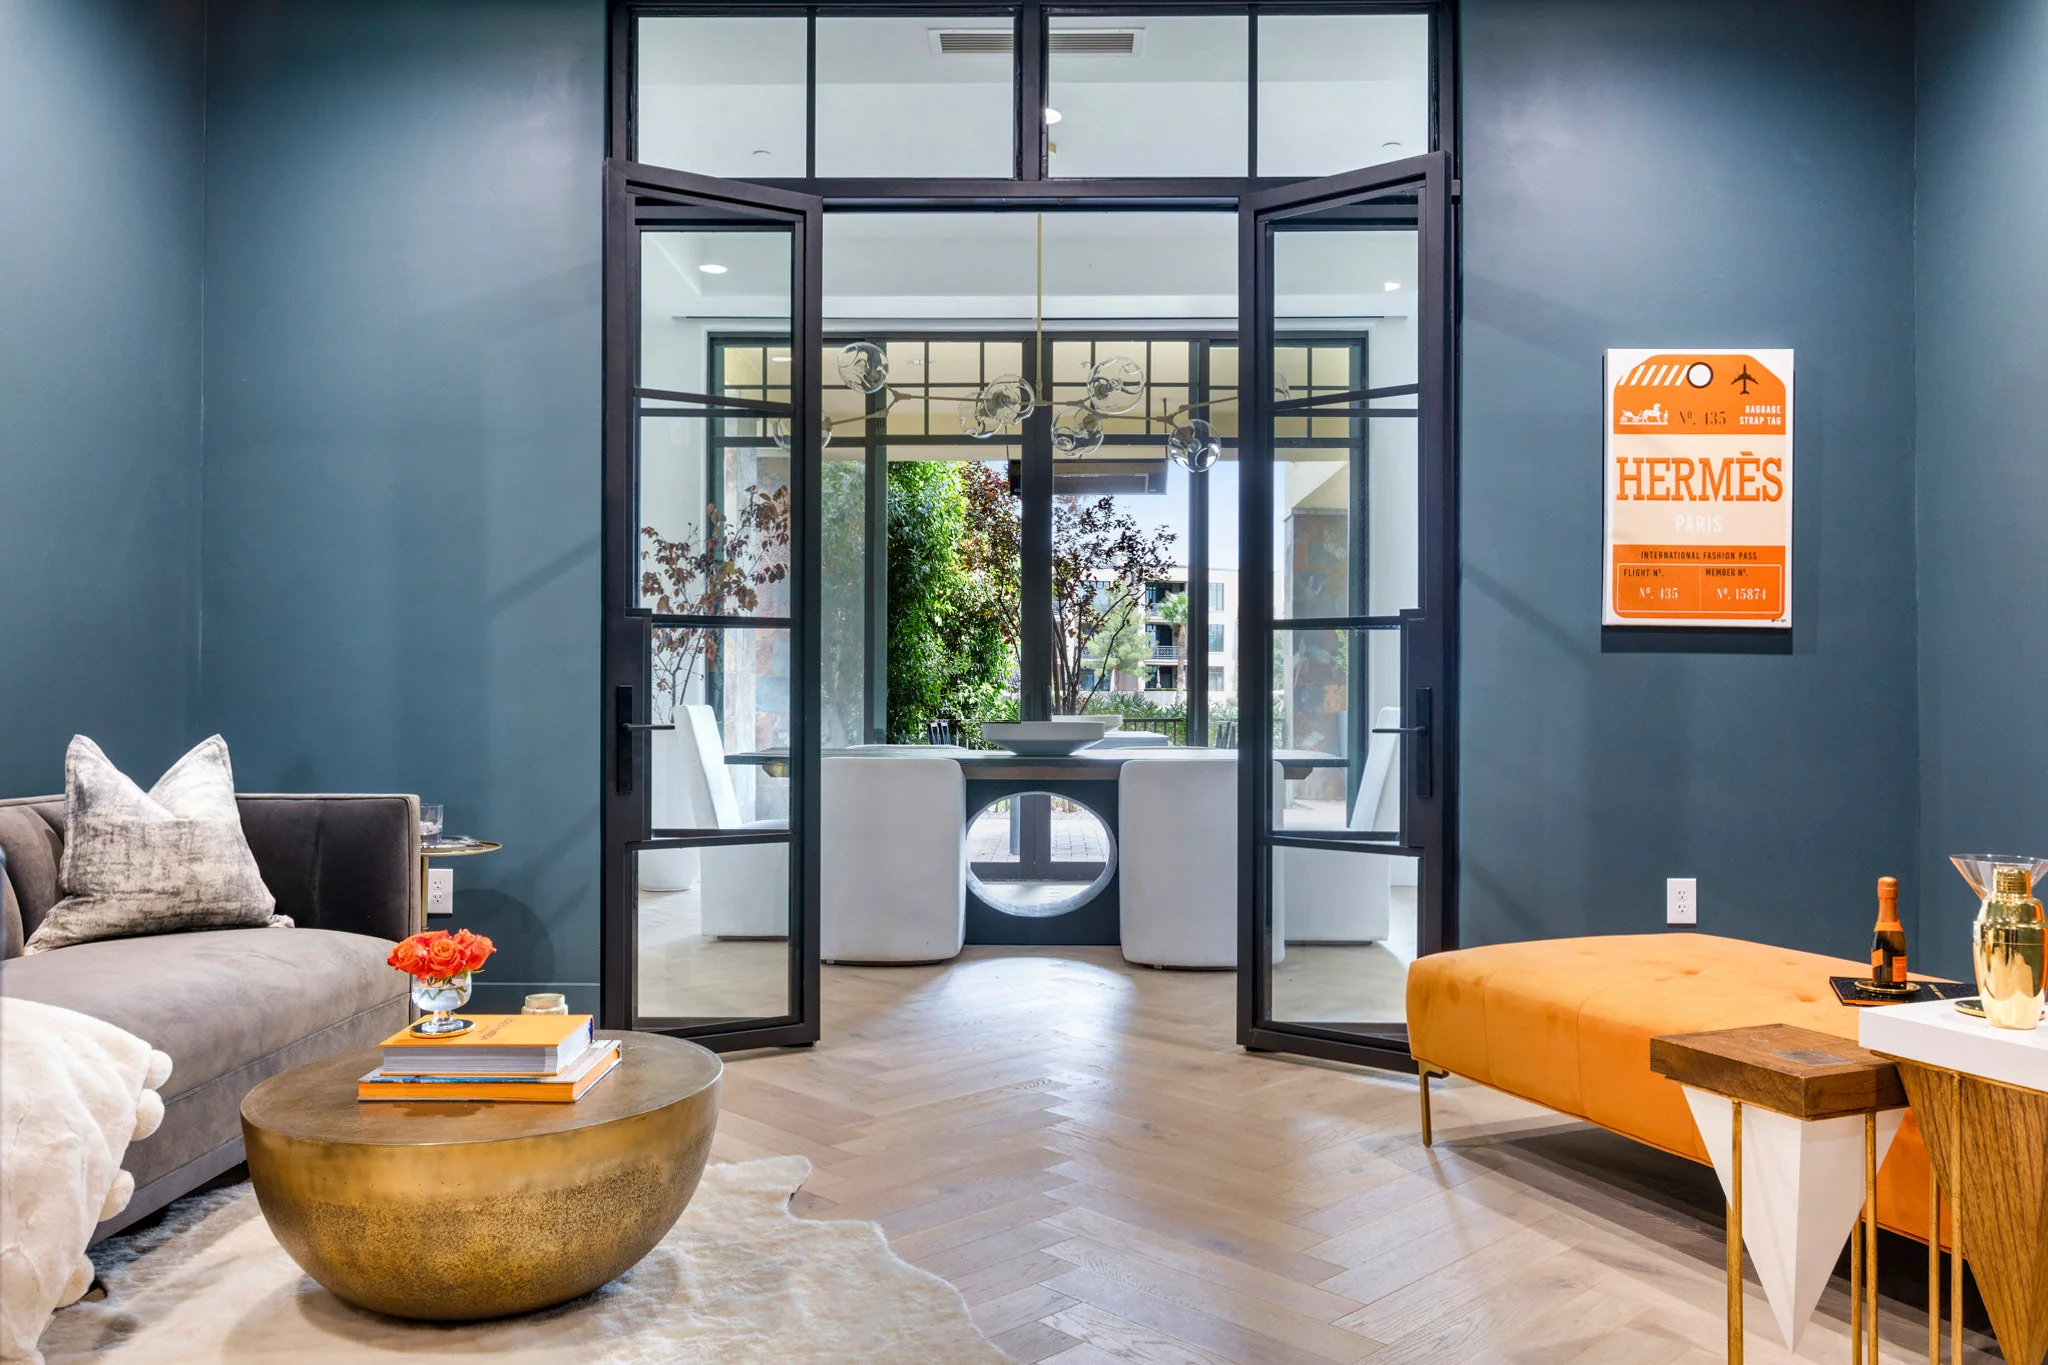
<point>232,1006</point>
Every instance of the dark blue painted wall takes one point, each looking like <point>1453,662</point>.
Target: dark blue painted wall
<point>100,221</point>
<point>1686,174</point>
<point>1983,477</point>
<point>402,431</point>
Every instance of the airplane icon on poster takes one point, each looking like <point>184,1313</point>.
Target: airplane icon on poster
<point>1745,379</point>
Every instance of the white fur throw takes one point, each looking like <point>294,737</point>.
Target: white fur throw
<point>78,1092</point>
<point>152,862</point>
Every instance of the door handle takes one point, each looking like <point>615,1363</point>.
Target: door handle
<point>1400,729</point>
<point>1423,770</point>
<point>625,729</point>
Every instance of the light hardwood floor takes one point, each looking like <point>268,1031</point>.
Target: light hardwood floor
<point>1082,1149</point>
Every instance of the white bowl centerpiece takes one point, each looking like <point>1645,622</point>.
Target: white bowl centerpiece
<point>1045,738</point>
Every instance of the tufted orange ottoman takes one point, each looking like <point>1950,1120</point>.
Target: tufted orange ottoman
<point>1566,1023</point>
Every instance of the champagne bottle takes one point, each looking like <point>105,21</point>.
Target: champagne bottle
<point>1888,941</point>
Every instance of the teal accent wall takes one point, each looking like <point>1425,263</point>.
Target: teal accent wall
<point>1675,174</point>
<point>1982,458</point>
<point>388,501</point>
<point>402,432</point>
<point>101,214</point>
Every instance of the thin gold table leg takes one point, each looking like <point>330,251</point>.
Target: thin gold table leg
<point>1428,1135</point>
<point>1735,1233</point>
<point>1933,1264</point>
<point>1870,1230</point>
<point>1955,1218</point>
<point>1856,1293</point>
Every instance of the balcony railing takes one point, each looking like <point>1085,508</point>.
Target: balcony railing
<point>1164,654</point>
<point>1175,728</point>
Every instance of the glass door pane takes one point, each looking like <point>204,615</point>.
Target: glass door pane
<point>1344,354</point>
<point>714,466</point>
<point>1345,474</point>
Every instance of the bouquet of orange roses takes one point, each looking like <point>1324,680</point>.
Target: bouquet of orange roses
<point>439,964</point>
<point>440,955</point>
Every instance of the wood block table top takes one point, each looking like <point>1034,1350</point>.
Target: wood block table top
<point>1789,1070</point>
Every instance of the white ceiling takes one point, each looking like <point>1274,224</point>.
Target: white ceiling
<point>725,96</point>
<point>755,51</point>
<point>983,268</point>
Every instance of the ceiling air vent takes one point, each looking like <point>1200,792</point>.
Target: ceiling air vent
<point>997,42</point>
<point>971,42</point>
<point>1101,42</point>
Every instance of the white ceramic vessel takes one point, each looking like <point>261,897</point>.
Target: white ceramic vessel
<point>1045,738</point>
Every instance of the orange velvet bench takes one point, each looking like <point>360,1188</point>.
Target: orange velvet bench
<point>1566,1023</point>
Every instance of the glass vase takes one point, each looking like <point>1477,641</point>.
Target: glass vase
<point>2009,940</point>
<point>439,997</point>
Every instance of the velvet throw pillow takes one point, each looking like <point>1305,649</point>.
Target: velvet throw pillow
<point>152,862</point>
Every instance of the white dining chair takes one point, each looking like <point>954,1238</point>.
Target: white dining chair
<point>744,887</point>
<point>893,860</point>
<point>672,778</point>
<point>1337,897</point>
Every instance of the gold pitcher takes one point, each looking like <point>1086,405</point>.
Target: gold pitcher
<point>2009,941</point>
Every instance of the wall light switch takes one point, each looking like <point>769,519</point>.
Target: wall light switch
<point>1681,900</point>
<point>440,890</point>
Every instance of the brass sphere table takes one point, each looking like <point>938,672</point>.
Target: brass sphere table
<point>463,1210</point>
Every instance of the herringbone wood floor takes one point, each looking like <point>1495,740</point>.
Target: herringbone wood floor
<point>1082,1149</point>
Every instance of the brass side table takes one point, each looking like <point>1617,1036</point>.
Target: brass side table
<point>468,848</point>
<point>1795,1107</point>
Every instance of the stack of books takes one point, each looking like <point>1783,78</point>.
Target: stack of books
<point>532,1058</point>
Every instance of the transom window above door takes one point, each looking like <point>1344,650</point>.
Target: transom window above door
<point>1026,93</point>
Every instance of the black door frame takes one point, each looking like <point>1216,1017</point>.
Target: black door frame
<point>1033,187</point>
<point>639,198</point>
<point>1428,632</point>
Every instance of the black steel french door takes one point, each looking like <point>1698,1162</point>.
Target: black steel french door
<point>1347,518</point>
<point>711,589</point>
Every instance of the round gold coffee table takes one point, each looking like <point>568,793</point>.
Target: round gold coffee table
<point>457,1211</point>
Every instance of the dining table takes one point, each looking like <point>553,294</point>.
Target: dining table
<point>1086,777</point>
<point>1092,763</point>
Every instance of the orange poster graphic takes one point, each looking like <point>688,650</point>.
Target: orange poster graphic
<point>1699,489</point>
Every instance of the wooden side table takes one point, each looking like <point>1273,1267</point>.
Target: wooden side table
<point>1785,1113</point>
<point>1981,1096</point>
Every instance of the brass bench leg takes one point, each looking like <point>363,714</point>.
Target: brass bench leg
<point>1428,1129</point>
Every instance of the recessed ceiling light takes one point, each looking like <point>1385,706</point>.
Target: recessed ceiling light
<point>1392,285</point>
<point>710,269</point>
<point>1390,146</point>
<point>778,359</point>
<point>1052,116</point>
<point>762,151</point>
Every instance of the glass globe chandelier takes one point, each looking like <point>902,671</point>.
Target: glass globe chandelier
<point>1113,385</point>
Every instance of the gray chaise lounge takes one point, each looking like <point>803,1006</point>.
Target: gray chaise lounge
<point>232,1006</point>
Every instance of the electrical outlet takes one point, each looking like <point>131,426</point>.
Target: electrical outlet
<point>440,890</point>
<point>1681,900</point>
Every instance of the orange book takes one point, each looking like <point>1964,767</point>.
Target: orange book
<point>600,1062</point>
<point>500,1044</point>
